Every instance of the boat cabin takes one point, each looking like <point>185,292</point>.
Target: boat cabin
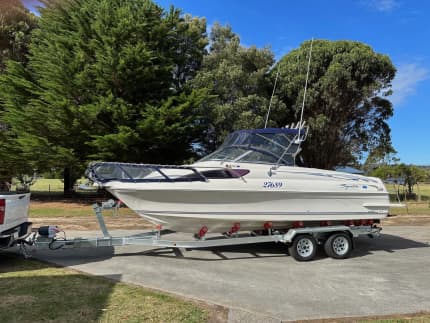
<point>274,146</point>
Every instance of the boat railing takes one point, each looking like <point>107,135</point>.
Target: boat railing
<point>297,140</point>
<point>102,172</point>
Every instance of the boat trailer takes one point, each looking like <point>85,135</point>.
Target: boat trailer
<point>302,242</point>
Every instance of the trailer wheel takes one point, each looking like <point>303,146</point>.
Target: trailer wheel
<point>338,245</point>
<point>304,247</point>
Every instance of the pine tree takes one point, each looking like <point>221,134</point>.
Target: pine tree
<point>16,25</point>
<point>98,71</point>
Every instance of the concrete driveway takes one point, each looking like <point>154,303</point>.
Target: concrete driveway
<point>386,275</point>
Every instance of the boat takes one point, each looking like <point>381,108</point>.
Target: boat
<point>250,183</point>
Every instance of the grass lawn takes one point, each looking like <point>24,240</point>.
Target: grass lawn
<point>47,185</point>
<point>31,291</point>
<point>413,318</point>
<point>52,185</point>
<point>60,210</point>
<point>69,209</point>
<point>412,207</point>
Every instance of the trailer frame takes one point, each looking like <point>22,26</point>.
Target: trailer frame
<point>153,238</point>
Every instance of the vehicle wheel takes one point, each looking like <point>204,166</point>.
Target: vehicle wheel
<point>338,246</point>
<point>304,247</point>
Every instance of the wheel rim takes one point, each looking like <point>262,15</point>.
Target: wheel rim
<point>340,245</point>
<point>305,247</point>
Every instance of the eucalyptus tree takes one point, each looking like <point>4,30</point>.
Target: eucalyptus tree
<point>238,80</point>
<point>16,25</point>
<point>347,103</point>
<point>404,175</point>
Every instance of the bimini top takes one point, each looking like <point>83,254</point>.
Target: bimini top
<point>288,131</point>
<point>277,146</point>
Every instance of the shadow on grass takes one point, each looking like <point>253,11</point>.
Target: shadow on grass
<point>33,291</point>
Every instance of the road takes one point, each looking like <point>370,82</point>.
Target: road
<point>385,275</point>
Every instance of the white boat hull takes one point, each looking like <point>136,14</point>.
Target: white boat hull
<point>292,194</point>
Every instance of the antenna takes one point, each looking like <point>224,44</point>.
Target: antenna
<point>271,98</point>
<point>306,87</point>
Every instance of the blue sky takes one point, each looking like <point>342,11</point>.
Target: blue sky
<point>400,29</point>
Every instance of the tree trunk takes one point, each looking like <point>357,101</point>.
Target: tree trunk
<point>410,188</point>
<point>5,184</point>
<point>5,181</point>
<point>68,183</point>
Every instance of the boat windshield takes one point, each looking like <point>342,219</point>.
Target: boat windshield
<point>264,146</point>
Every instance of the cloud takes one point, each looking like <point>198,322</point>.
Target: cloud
<point>382,5</point>
<point>406,81</point>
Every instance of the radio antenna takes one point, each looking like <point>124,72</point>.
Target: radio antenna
<point>271,98</point>
<point>306,87</point>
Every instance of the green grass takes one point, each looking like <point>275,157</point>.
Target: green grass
<point>50,185</point>
<point>424,190</point>
<point>31,291</point>
<point>59,209</point>
<point>413,207</point>
<point>47,185</point>
<point>424,318</point>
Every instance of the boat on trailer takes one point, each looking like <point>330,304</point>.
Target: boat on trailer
<point>250,190</point>
<point>250,183</point>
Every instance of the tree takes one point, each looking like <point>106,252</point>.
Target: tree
<point>380,156</point>
<point>237,80</point>
<point>346,104</point>
<point>16,25</point>
<point>412,176</point>
<point>406,175</point>
<point>98,71</point>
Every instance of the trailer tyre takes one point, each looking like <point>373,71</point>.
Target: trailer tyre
<point>338,245</point>
<point>304,247</point>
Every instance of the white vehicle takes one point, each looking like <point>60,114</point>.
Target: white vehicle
<point>14,225</point>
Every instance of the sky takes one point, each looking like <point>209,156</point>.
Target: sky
<point>397,28</point>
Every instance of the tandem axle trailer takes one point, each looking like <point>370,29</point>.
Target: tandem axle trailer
<point>302,242</point>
